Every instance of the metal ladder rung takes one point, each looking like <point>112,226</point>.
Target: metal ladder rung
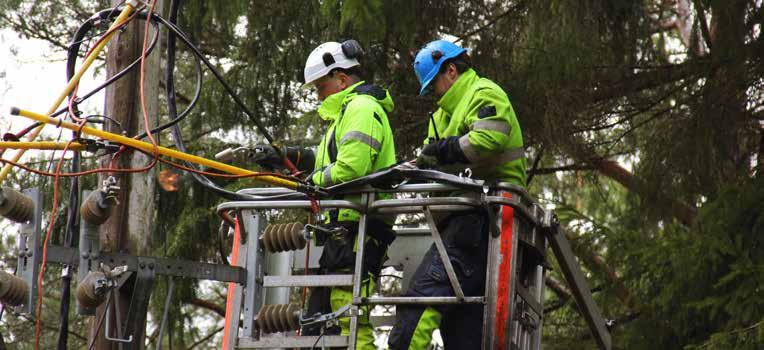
<point>308,281</point>
<point>293,342</point>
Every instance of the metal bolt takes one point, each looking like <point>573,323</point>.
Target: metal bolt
<point>85,255</point>
<point>151,266</point>
<point>29,253</point>
<point>142,265</point>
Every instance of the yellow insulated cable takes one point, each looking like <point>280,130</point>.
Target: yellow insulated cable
<point>129,7</point>
<point>149,148</point>
<point>42,145</point>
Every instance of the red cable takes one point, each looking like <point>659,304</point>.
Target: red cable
<point>40,279</point>
<point>38,308</point>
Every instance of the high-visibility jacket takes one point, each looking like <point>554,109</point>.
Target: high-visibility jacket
<point>359,140</point>
<point>478,112</point>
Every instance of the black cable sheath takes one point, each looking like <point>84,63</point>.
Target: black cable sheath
<point>173,32</point>
<point>172,108</point>
<point>105,14</point>
<point>71,216</point>
<point>166,312</point>
<point>75,46</point>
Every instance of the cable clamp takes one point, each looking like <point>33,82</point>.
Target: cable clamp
<point>93,146</point>
<point>331,318</point>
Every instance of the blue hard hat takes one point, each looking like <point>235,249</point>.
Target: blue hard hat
<point>429,59</point>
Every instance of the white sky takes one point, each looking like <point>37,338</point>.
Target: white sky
<point>32,75</point>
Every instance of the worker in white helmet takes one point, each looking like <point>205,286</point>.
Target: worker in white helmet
<point>357,142</point>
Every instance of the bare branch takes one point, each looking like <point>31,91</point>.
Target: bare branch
<point>209,305</point>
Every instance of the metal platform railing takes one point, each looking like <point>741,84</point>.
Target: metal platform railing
<point>512,320</point>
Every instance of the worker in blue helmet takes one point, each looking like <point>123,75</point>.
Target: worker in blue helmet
<point>474,127</point>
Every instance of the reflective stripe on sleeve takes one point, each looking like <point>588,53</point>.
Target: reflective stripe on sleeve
<point>474,157</point>
<point>328,176</point>
<point>469,150</point>
<point>492,125</point>
<point>362,137</point>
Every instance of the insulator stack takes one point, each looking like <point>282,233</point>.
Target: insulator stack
<point>93,210</point>
<point>90,291</point>
<point>16,206</point>
<point>278,318</point>
<point>283,237</point>
<point>13,290</point>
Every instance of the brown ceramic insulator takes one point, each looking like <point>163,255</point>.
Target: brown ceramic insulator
<point>283,237</point>
<point>13,290</point>
<point>86,293</point>
<point>92,211</point>
<point>278,318</point>
<point>16,206</point>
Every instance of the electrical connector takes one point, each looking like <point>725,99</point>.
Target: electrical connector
<point>97,208</point>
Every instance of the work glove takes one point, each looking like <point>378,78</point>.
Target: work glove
<point>441,152</point>
<point>267,157</point>
<point>428,159</point>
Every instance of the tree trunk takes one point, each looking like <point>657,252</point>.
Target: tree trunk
<point>131,225</point>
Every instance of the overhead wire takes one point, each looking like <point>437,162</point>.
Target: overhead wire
<point>261,128</point>
<point>197,53</point>
<point>124,14</point>
<point>172,108</point>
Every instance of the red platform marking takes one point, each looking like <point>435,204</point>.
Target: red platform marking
<point>505,268</point>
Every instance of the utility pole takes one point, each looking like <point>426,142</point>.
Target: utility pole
<point>132,223</point>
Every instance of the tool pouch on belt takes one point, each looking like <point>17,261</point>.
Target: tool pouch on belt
<point>339,253</point>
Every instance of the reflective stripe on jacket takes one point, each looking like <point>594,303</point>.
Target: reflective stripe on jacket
<point>358,141</point>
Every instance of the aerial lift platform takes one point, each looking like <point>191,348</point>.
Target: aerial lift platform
<point>271,260</point>
<point>520,234</point>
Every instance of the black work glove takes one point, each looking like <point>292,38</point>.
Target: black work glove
<point>427,158</point>
<point>441,152</point>
<point>267,157</point>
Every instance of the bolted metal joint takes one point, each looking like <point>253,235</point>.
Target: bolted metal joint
<point>93,289</point>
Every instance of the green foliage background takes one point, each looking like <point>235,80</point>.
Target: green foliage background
<point>589,79</point>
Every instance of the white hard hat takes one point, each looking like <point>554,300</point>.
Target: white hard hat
<point>331,55</point>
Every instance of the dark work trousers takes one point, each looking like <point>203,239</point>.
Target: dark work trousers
<point>465,236</point>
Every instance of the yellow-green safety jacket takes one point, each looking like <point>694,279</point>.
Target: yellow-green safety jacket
<point>359,140</point>
<point>478,112</point>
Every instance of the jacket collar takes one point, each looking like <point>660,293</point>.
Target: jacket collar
<point>331,108</point>
<point>454,95</point>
